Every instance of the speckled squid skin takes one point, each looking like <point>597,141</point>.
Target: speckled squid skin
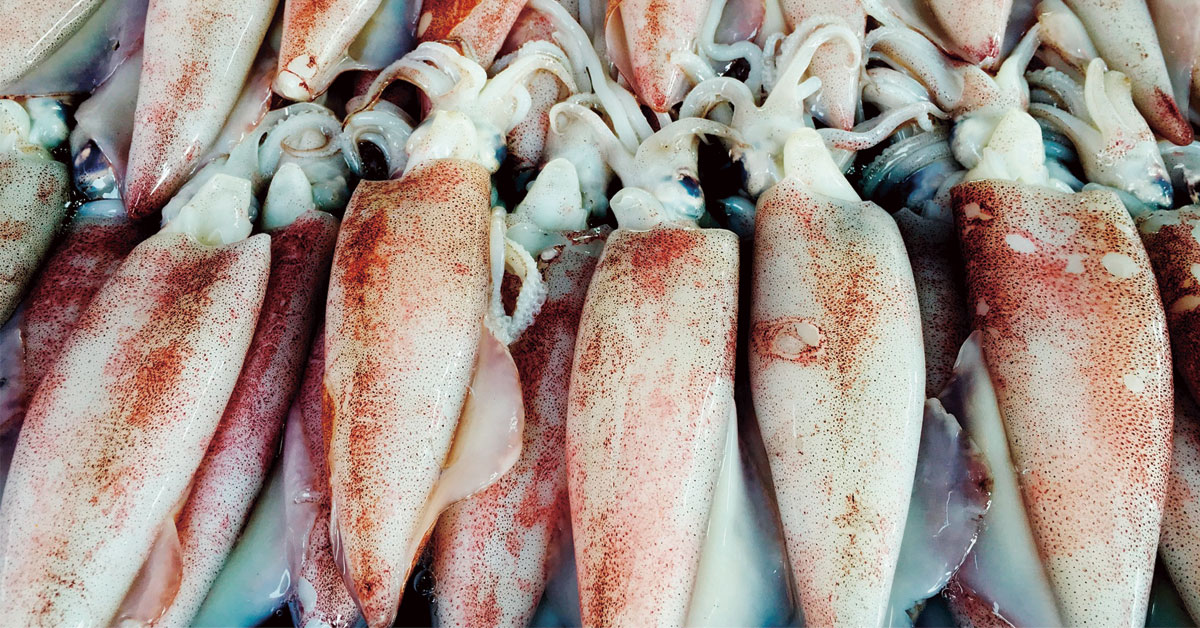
<point>1124,35</point>
<point>247,437</point>
<point>837,376</point>
<point>650,399</point>
<point>197,54</point>
<point>42,27</point>
<point>937,270</point>
<point>1172,240</point>
<point>331,603</point>
<point>649,31</point>
<point>33,203</point>
<point>492,553</point>
<point>407,295</point>
<point>833,62</point>
<point>1179,545</point>
<point>1076,343</point>
<point>479,27</point>
<point>89,252</point>
<point>120,424</point>
<point>316,34</point>
<point>527,140</point>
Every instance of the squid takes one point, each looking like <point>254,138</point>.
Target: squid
<point>1123,34</point>
<point>1177,547</point>
<point>40,29</point>
<point>319,596</point>
<point>322,39</point>
<point>404,349</point>
<point>651,398</point>
<point>190,81</point>
<point>641,37</point>
<point>1114,144</point>
<point>972,32</point>
<point>837,63</point>
<point>477,27</point>
<point>122,419</point>
<point>1086,399</point>
<point>247,436</point>
<point>33,191</point>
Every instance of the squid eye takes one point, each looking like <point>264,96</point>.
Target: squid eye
<point>689,183</point>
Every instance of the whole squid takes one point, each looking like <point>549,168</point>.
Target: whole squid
<point>1074,337</point>
<point>404,348</point>
<point>121,421</point>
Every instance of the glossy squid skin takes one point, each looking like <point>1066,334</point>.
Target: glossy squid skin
<point>527,140</point>
<point>196,57</point>
<point>407,295</point>
<point>479,27</point>
<point>937,271</point>
<point>642,34</point>
<point>833,62</point>
<point>1174,250</point>
<point>837,376</point>
<point>316,34</point>
<point>494,552</point>
<point>247,437</point>
<point>650,400</point>
<point>89,251</point>
<point>36,29</point>
<point>321,596</point>
<point>1180,536</point>
<point>1125,36</point>
<point>33,203</point>
<point>120,424</point>
<point>1075,339</point>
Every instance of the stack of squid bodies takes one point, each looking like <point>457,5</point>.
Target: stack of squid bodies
<point>412,402</point>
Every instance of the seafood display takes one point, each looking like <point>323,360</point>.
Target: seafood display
<point>846,313</point>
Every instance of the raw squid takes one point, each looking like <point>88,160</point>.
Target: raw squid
<point>121,421</point>
<point>641,37</point>
<point>1178,544</point>
<point>196,56</point>
<point>1075,340</point>
<point>401,346</point>
<point>836,63</point>
<point>971,31</point>
<point>36,29</point>
<point>478,27</point>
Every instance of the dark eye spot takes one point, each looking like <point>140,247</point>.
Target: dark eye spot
<point>690,183</point>
<point>374,161</point>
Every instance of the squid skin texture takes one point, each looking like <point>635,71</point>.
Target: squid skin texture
<point>33,203</point>
<point>1174,250</point>
<point>836,365</point>
<point>495,551</point>
<point>120,423</point>
<point>246,440</point>
<point>642,34</point>
<point>1076,343</point>
<point>650,401</point>
<point>407,295</point>
<point>478,27</point>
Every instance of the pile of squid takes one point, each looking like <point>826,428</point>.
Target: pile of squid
<point>559,313</point>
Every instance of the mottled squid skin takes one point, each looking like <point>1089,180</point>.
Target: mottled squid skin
<point>121,422</point>
<point>937,270</point>
<point>971,31</point>
<point>837,376</point>
<point>321,598</point>
<point>479,27</point>
<point>1124,35</point>
<point>642,34</point>
<point>316,34</point>
<point>1171,242</point>
<point>494,552</point>
<point>650,400</point>
<point>247,437</point>
<point>33,203</point>
<point>407,295</point>
<point>834,62</point>
<point>1181,516</point>
<point>196,56</point>
<point>36,29</point>
<point>1075,339</point>
<point>89,251</point>
<point>527,140</point>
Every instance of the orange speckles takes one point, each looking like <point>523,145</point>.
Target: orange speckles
<point>479,26</point>
<point>795,338</point>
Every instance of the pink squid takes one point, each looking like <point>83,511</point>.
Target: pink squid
<point>836,64</point>
<point>971,31</point>
<point>1074,337</point>
<point>641,36</point>
<point>478,27</point>
<point>196,57</point>
<point>404,348</point>
<point>122,419</point>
